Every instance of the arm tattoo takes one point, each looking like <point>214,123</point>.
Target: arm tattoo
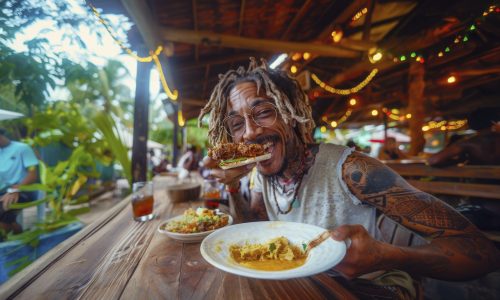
<point>453,237</point>
<point>374,183</point>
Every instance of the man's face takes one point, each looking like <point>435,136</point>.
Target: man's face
<point>242,99</point>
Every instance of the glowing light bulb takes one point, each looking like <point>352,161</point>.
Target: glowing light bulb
<point>333,124</point>
<point>306,55</point>
<point>374,112</point>
<point>353,102</point>
<point>293,69</point>
<point>425,128</point>
<point>451,79</point>
<point>323,129</point>
<point>408,116</point>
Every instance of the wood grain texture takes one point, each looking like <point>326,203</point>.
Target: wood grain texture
<point>124,259</point>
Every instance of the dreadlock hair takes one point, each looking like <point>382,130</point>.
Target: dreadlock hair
<point>290,100</point>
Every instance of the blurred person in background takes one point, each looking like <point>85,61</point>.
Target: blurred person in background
<point>483,148</point>
<point>18,166</point>
<point>390,150</point>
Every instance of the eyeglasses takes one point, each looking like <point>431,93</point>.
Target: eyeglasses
<point>263,115</point>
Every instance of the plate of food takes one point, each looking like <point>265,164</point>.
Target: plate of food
<point>271,250</point>
<point>233,155</point>
<point>194,225</point>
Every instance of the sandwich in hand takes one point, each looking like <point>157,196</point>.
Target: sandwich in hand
<point>233,155</point>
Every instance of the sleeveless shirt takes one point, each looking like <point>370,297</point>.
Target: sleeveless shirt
<point>323,199</point>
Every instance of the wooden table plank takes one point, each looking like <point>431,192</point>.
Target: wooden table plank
<point>124,259</point>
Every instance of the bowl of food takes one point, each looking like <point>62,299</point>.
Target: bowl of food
<point>271,250</point>
<point>194,225</point>
<point>180,191</point>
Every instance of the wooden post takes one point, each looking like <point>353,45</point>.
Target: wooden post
<point>416,107</point>
<point>175,145</point>
<point>141,111</point>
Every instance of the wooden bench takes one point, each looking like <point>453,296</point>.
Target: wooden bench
<point>460,181</point>
<point>454,180</point>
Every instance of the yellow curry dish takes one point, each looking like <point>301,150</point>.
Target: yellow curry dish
<point>277,254</point>
<point>199,220</point>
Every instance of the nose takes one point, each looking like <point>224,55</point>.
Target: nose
<point>252,130</point>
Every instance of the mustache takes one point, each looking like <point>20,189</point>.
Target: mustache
<point>265,139</point>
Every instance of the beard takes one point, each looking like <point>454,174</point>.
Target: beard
<point>291,153</point>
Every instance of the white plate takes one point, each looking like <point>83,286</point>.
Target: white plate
<point>215,248</point>
<point>189,237</point>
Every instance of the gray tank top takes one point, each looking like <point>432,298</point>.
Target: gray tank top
<point>323,199</point>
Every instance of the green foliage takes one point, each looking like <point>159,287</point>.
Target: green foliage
<point>196,136</point>
<point>109,129</point>
<point>60,184</point>
<point>63,122</point>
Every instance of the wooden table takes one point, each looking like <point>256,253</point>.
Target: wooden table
<point>118,258</point>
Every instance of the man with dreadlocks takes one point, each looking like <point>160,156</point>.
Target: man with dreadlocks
<point>334,187</point>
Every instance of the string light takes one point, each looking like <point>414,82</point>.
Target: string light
<point>444,125</point>
<point>306,55</point>
<point>451,79</point>
<point>359,14</point>
<point>296,56</point>
<point>374,112</point>
<point>323,129</point>
<point>344,92</point>
<point>153,56</point>
<point>334,124</point>
<point>462,37</point>
<point>293,69</point>
<point>352,101</point>
<point>180,118</point>
<point>337,35</point>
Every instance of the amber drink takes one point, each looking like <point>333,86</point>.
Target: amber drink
<point>142,201</point>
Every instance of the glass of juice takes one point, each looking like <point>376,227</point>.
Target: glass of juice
<point>142,201</point>
<point>212,193</point>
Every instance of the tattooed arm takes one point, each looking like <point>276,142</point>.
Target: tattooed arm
<point>457,250</point>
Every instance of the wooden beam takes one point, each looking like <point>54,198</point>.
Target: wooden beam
<point>242,17</point>
<point>194,102</point>
<point>346,14</point>
<point>146,24</point>
<point>232,41</point>
<point>367,26</point>
<point>205,81</point>
<point>195,23</point>
<point>298,17</point>
<point>182,67</point>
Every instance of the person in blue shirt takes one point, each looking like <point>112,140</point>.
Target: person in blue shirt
<point>18,166</point>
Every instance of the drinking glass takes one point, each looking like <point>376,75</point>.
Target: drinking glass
<point>212,193</point>
<point>142,201</point>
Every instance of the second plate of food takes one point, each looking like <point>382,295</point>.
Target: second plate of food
<point>271,250</point>
<point>194,225</point>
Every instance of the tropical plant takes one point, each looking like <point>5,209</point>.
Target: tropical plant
<point>111,134</point>
<point>60,184</point>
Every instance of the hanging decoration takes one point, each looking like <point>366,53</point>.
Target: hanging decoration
<point>344,92</point>
<point>444,125</point>
<point>153,56</point>
<point>461,38</point>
